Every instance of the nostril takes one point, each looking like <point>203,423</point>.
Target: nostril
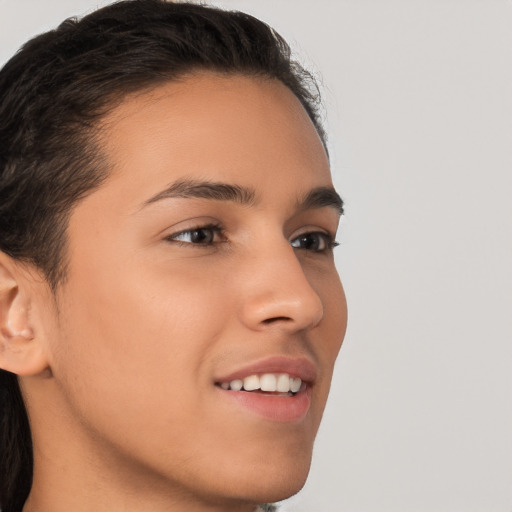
<point>276,319</point>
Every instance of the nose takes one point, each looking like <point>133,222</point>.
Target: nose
<point>277,293</point>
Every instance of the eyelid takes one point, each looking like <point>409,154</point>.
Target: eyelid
<point>219,236</point>
<point>210,226</point>
<point>313,229</point>
<point>328,239</point>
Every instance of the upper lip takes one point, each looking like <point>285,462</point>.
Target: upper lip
<point>301,367</point>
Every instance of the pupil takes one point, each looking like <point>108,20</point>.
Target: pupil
<point>308,241</point>
<point>201,236</point>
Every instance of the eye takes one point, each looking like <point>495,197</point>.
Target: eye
<point>201,235</point>
<point>315,241</point>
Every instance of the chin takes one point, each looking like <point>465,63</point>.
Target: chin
<point>271,478</point>
<point>278,491</point>
<point>277,481</point>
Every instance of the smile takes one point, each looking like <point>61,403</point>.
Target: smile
<point>281,383</point>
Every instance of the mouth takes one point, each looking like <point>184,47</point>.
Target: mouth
<point>276,389</point>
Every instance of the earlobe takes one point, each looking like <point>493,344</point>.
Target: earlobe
<point>20,351</point>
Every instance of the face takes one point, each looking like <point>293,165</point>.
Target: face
<point>203,263</point>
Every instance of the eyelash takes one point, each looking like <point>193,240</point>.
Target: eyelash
<point>325,240</point>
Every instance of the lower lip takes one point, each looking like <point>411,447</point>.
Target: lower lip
<point>273,407</point>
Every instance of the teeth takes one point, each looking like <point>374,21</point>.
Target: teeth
<point>251,383</point>
<point>236,385</point>
<point>295,385</point>
<point>281,382</point>
<point>268,382</point>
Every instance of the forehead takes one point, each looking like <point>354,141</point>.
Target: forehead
<point>244,127</point>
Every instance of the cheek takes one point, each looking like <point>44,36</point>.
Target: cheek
<point>337,313</point>
<point>334,323</point>
<point>136,343</point>
<point>329,335</point>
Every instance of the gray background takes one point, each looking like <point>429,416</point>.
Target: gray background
<point>418,96</point>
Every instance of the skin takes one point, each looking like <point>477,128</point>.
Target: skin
<point>120,381</point>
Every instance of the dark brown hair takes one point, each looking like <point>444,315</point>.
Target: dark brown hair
<point>54,92</point>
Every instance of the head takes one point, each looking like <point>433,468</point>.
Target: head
<point>166,230</point>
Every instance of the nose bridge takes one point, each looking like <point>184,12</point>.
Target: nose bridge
<point>278,291</point>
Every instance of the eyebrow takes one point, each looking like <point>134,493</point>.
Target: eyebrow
<point>206,190</point>
<point>322,197</point>
<point>319,197</point>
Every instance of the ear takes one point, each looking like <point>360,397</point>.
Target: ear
<point>21,352</point>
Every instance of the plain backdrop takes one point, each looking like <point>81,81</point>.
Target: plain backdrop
<point>418,97</point>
